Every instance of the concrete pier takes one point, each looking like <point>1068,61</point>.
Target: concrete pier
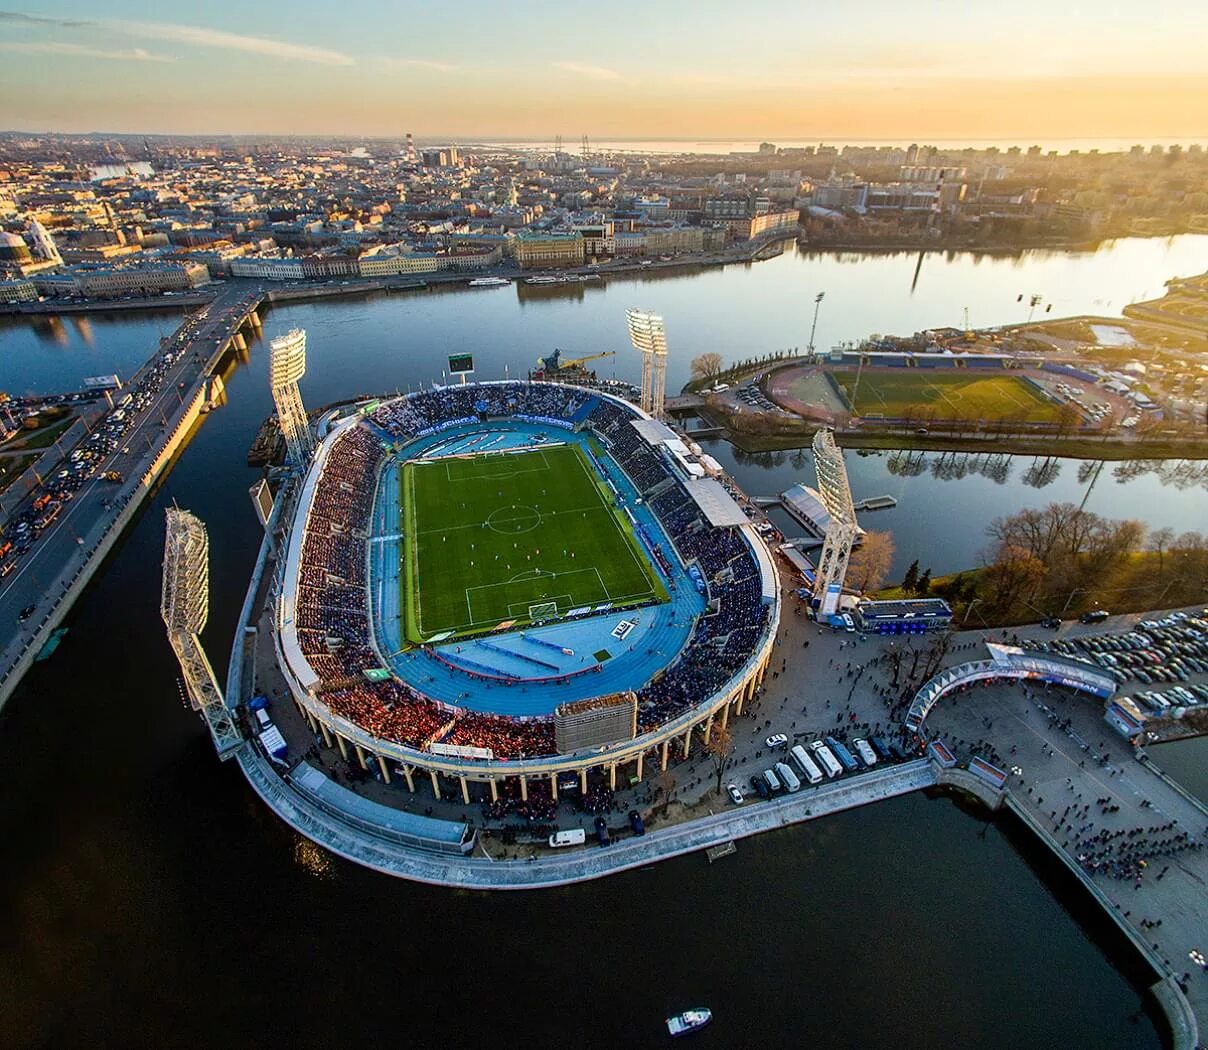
<point>1072,779</point>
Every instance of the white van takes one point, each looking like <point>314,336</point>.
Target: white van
<point>865,751</point>
<point>772,782</point>
<point>826,759</point>
<point>573,837</point>
<point>806,764</point>
<point>788,778</point>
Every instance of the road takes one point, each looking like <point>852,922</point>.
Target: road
<point>44,575</point>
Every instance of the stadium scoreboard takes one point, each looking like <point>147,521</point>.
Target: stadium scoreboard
<point>461,364</point>
<point>597,722</point>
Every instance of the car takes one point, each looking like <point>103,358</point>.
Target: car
<point>27,612</point>
<point>602,836</point>
<point>777,740</point>
<point>761,788</point>
<point>1053,623</point>
<point>734,793</point>
<point>1094,616</point>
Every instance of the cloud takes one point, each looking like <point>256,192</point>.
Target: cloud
<point>419,63</point>
<point>19,18</point>
<point>216,38</point>
<point>591,72</point>
<point>198,36</point>
<point>55,47</point>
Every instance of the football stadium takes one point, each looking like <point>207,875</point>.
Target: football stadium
<point>522,585</point>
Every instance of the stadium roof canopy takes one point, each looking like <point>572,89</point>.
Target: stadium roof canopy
<point>718,505</point>
<point>653,431</point>
<point>409,825</point>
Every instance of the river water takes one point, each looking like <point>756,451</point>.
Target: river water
<point>149,899</point>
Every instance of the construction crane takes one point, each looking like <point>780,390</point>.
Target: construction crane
<point>556,364</point>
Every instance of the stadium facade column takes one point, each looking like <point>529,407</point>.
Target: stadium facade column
<point>709,727</point>
<point>725,714</point>
<point>641,762</point>
<point>326,733</point>
<point>409,776</point>
<point>612,776</point>
<point>382,766</point>
<point>583,780</point>
<point>343,747</point>
<point>435,784</point>
<point>553,786</point>
<point>523,788</point>
<point>361,756</point>
<point>465,790</point>
<point>688,742</point>
<point>666,754</point>
<point>494,791</point>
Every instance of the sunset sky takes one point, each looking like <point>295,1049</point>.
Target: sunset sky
<point>857,69</point>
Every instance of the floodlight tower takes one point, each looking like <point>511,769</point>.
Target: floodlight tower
<point>841,533</point>
<point>649,338</point>
<point>287,364</point>
<point>185,607</point>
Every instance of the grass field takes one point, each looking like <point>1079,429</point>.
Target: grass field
<point>518,537</point>
<point>964,394</point>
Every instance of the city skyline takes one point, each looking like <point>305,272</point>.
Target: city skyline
<point>1068,70</point>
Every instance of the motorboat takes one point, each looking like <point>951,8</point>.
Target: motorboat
<point>689,1021</point>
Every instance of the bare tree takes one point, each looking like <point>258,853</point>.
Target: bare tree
<point>720,747</point>
<point>1159,540</point>
<point>871,561</point>
<point>706,366</point>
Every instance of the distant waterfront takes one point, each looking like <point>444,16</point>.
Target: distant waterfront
<point>723,146</point>
<point>141,862</point>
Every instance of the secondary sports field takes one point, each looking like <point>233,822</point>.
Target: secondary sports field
<point>959,394</point>
<point>513,537</point>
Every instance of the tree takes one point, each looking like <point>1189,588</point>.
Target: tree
<point>924,585</point>
<point>706,366</point>
<point>720,747</point>
<point>1013,572</point>
<point>871,561</point>
<point>911,579</point>
<point>1159,540</point>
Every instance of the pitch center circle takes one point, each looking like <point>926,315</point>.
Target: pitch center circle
<point>514,520</point>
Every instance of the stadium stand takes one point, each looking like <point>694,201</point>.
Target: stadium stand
<point>332,617</point>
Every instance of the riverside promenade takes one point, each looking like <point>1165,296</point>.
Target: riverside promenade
<point>1091,799</point>
<point>588,862</point>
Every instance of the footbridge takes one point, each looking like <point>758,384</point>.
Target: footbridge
<point>1009,661</point>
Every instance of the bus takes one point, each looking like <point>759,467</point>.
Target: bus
<point>828,762</point>
<point>806,764</point>
<point>842,754</point>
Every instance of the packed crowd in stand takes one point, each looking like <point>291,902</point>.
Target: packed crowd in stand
<point>332,616</point>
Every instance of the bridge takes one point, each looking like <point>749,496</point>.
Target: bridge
<point>53,573</point>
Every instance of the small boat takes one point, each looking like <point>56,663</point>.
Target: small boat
<point>689,1021</point>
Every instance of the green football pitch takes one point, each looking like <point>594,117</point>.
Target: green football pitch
<point>957,394</point>
<point>513,537</point>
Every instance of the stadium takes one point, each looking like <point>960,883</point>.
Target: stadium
<point>520,585</point>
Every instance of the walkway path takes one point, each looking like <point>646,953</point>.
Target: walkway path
<point>590,862</point>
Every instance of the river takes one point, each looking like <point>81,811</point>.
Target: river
<point>150,899</point>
